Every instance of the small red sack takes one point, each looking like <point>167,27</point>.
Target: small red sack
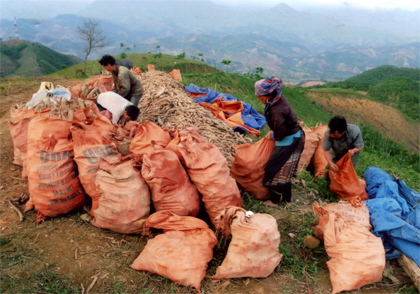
<point>357,256</point>
<point>169,183</point>
<point>254,249</point>
<point>248,167</point>
<point>124,203</point>
<point>311,144</point>
<point>209,171</point>
<point>146,133</point>
<point>181,253</point>
<point>345,184</point>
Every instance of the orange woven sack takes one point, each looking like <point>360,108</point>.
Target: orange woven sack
<point>248,167</point>
<point>146,133</point>
<point>177,136</point>
<point>209,171</point>
<point>320,163</point>
<point>357,256</point>
<point>176,75</point>
<point>136,71</point>
<point>105,83</point>
<point>350,213</point>
<point>52,173</point>
<point>254,249</point>
<point>90,146</point>
<point>150,67</point>
<point>182,253</point>
<point>124,202</point>
<point>345,184</point>
<point>311,143</point>
<point>169,184</point>
<point>18,127</point>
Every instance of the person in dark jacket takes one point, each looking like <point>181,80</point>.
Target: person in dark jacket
<point>125,82</point>
<point>289,137</point>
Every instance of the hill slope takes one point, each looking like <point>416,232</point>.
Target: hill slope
<point>396,87</point>
<point>21,58</point>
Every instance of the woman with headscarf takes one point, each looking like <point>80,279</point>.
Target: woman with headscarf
<point>289,138</point>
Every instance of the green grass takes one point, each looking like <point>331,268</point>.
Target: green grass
<point>165,63</point>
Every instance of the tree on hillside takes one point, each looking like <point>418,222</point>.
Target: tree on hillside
<point>92,37</point>
<point>226,62</point>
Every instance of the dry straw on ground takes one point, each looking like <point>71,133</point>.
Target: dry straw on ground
<point>166,103</point>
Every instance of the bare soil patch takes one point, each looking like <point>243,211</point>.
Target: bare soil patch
<point>312,83</point>
<point>388,120</point>
<point>60,254</point>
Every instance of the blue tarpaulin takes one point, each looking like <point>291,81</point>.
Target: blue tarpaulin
<point>394,213</point>
<point>250,116</point>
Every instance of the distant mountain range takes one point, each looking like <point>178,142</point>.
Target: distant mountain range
<point>21,58</point>
<point>329,44</point>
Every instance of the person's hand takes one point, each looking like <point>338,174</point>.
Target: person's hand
<point>334,167</point>
<point>351,151</point>
<point>268,136</point>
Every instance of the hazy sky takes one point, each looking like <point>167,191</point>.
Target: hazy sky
<point>307,4</point>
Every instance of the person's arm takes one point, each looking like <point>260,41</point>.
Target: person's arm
<point>355,150</point>
<point>328,157</point>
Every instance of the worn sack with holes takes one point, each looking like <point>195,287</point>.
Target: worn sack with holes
<point>52,173</point>
<point>169,183</point>
<point>254,249</point>
<point>209,171</point>
<point>248,167</point>
<point>182,253</point>
<point>357,256</point>
<point>124,202</point>
<point>318,159</point>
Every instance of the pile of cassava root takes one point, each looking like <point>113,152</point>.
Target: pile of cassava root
<point>166,103</point>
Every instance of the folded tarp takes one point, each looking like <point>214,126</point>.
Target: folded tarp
<point>394,213</point>
<point>237,114</point>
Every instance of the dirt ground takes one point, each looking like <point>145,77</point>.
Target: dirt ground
<point>62,254</point>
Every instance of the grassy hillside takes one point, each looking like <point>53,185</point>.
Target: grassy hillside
<point>397,87</point>
<point>379,150</point>
<point>21,58</point>
<point>163,62</point>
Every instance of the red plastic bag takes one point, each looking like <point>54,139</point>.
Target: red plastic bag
<point>146,133</point>
<point>209,171</point>
<point>357,256</point>
<point>150,67</point>
<point>254,249</point>
<point>181,253</point>
<point>345,184</point>
<point>320,163</point>
<point>169,184</point>
<point>124,202</point>
<point>248,167</point>
<point>311,144</point>
<point>52,173</point>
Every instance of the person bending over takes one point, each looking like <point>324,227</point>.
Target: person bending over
<point>125,82</point>
<point>341,138</point>
<point>121,109</point>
